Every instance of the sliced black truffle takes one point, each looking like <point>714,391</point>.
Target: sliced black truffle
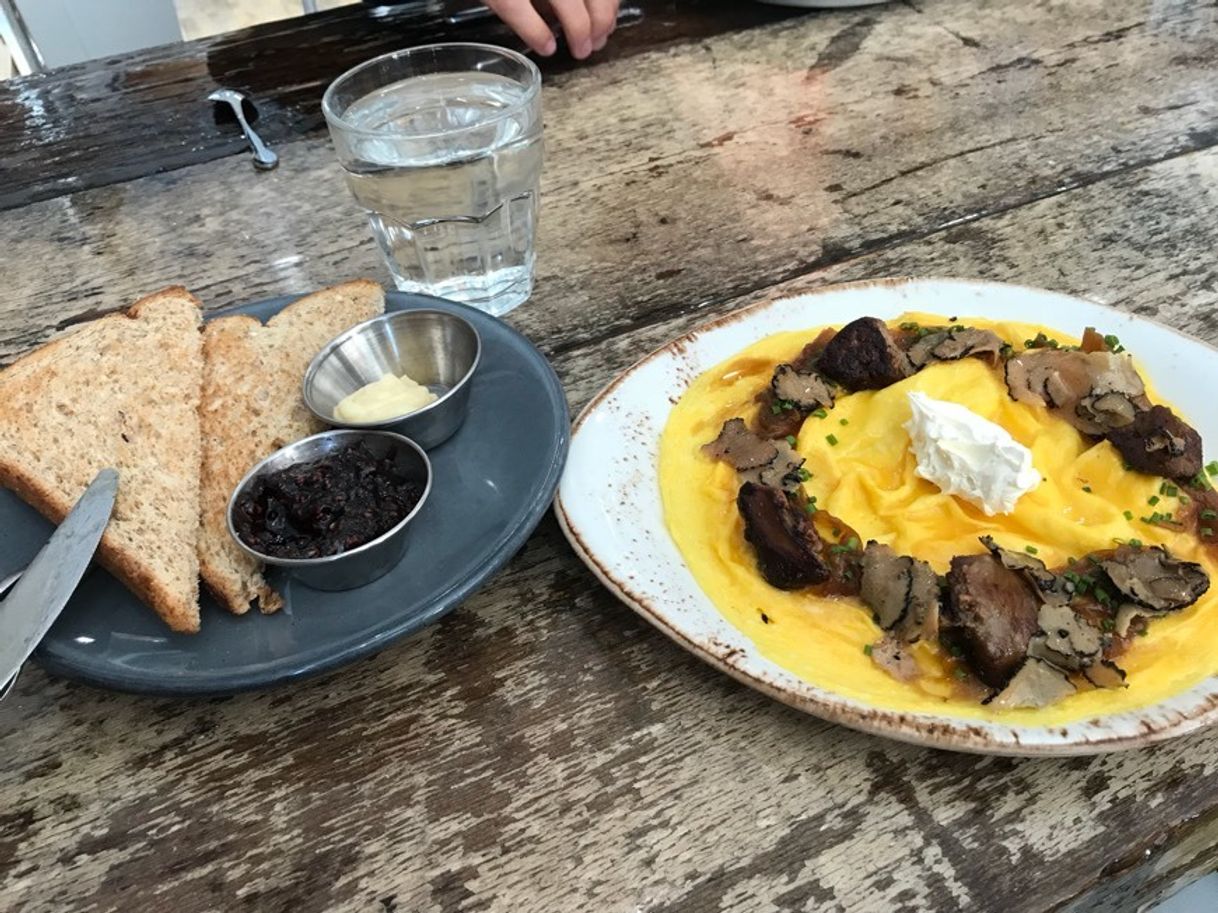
<point>864,356</point>
<point>1094,391</point>
<point>1065,639</point>
<point>990,614</point>
<point>740,447</point>
<point>953,345</point>
<point>788,549</point>
<point>1154,579</point>
<point>894,657</point>
<point>806,390</point>
<point>780,472</point>
<point>1047,584</point>
<point>1160,443</point>
<point>1035,684</point>
<point>901,591</point>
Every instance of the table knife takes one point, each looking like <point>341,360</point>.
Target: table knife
<point>42,591</point>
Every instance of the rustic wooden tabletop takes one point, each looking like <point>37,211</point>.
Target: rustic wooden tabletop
<point>543,748</point>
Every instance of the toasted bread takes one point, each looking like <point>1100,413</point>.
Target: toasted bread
<point>122,391</point>
<point>251,406</point>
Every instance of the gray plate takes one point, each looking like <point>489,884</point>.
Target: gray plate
<point>494,481</point>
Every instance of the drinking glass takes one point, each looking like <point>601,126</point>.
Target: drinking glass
<point>442,146</point>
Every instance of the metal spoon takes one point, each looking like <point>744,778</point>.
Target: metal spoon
<point>264,158</point>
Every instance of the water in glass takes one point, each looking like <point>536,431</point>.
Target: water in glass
<point>447,166</point>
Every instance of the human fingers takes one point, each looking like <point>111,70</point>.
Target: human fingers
<point>603,15</point>
<point>576,26</point>
<point>523,19</point>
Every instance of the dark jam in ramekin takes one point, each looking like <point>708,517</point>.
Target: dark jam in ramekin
<point>326,507</point>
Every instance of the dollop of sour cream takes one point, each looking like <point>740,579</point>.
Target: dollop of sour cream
<point>968,456</point>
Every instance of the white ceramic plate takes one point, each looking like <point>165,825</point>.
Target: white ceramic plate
<point>609,500</point>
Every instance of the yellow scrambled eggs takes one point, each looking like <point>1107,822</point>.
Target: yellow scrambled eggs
<point>867,479</point>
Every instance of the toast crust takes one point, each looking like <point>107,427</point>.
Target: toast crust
<point>177,607</point>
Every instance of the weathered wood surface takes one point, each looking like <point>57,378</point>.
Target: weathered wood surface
<point>102,122</point>
<point>543,749</point>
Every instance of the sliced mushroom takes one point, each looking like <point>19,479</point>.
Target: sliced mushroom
<point>774,463</point>
<point>894,658</point>
<point>807,390</point>
<point>1066,639</point>
<point>1154,579</point>
<point>788,548</point>
<point>864,356</point>
<point>903,592</point>
<point>1105,674</point>
<point>1160,443</point>
<point>780,472</point>
<point>991,614</point>
<point>1048,585</point>
<point>740,447</point>
<point>1036,684</point>
<point>1094,391</point>
<point>952,345</point>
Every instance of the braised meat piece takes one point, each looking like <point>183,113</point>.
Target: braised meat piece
<point>901,591</point>
<point>805,390</point>
<point>990,614</point>
<point>1160,443</point>
<point>810,355</point>
<point>952,345</point>
<point>789,551</point>
<point>864,356</point>
<point>774,420</point>
<point>1047,584</point>
<point>1096,392</point>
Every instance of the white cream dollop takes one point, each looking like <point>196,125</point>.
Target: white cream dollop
<point>969,456</point>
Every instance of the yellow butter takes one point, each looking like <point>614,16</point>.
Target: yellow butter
<point>869,480</point>
<point>388,398</point>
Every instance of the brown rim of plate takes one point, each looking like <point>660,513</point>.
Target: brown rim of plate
<point>915,728</point>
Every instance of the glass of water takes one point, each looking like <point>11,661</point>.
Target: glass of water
<point>441,145</point>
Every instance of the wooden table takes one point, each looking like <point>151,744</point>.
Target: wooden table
<point>543,748</point>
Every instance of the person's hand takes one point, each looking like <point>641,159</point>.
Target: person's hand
<point>586,24</point>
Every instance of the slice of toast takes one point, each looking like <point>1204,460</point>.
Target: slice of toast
<point>251,406</point>
<point>122,391</point>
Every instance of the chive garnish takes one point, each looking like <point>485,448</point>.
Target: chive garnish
<point>832,439</point>
<point>1031,549</point>
<point>820,413</point>
<point>791,439</point>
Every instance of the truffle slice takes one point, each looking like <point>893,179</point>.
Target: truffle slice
<point>787,546</point>
<point>991,614</point>
<point>1094,391</point>
<point>740,447</point>
<point>1066,639</point>
<point>952,345</point>
<point>1035,684</point>
<point>1154,579</point>
<point>864,356</point>
<point>894,658</point>
<point>1160,443</point>
<point>903,592</point>
<point>1105,674</point>
<point>807,390</point>
<point>1047,584</point>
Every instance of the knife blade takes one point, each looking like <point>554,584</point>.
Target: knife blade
<point>36,600</point>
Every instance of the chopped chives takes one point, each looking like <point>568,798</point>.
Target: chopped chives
<point>776,408</point>
<point>820,413</point>
<point>1136,543</point>
<point>844,421</point>
<point>1206,531</point>
<point>791,439</point>
<point>832,439</point>
<point>1152,500</point>
<point>1185,500</point>
<point>1087,488</point>
<point>1211,468</point>
<point>1208,514</point>
<point>1031,549</point>
<point>867,649</point>
<point>788,405</point>
<point>1129,515</point>
<point>804,475</point>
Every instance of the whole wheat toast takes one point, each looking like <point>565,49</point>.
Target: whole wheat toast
<point>122,391</point>
<point>251,406</point>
